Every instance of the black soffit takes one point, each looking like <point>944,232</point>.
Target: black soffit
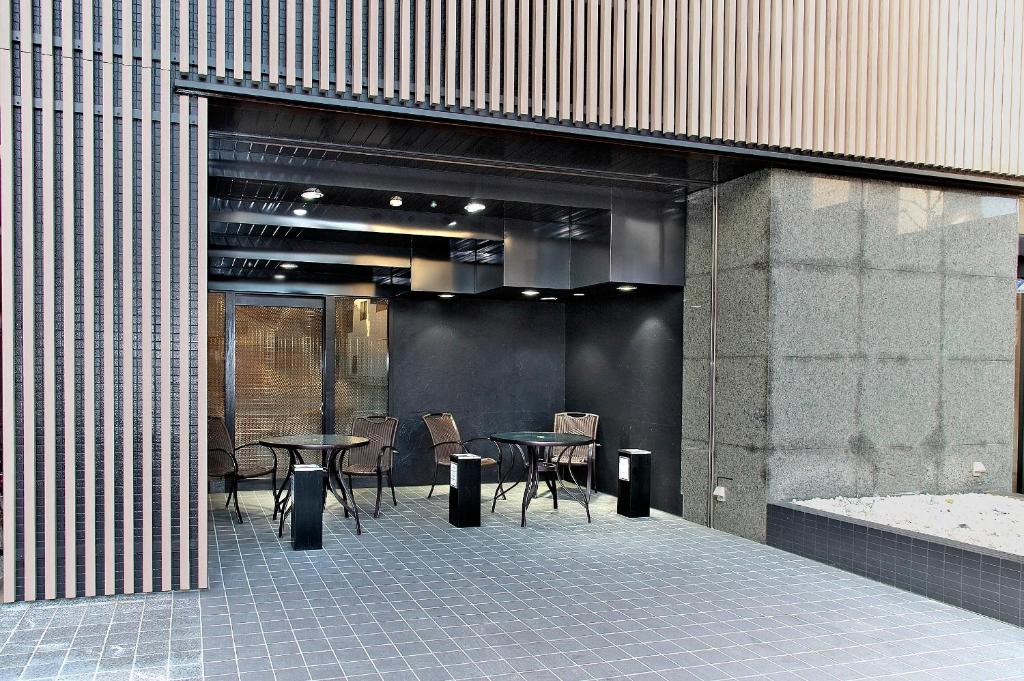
<point>262,158</point>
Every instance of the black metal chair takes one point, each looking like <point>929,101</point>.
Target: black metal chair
<point>578,423</point>
<point>445,441</point>
<point>230,463</point>
<point>375,458</point>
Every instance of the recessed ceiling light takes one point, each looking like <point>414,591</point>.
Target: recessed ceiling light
<point>626,288</point>
<point>549,298</point>
<point>300,212</point>
<point>288,266</point>
<point>474,206</point>
<point>531,292</point>
<point>278,276</point>
<point>395,201</point>
<point>445,295</point>
<point>578,295</point>
<point>312,194</point>
<point>453,223</point>
<point>433,204</point>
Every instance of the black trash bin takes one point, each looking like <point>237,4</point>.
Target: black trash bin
<point>634,483</point>
<point>464,494</point>
<point>307,514</point>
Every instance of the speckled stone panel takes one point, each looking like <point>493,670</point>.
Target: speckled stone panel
<point>815,219</point>
<point>743,473</point>
<point>813,311</point>
<point>978,317</point>
<point>902,227</point>
<point>900,314</point>
<point>899,402</point>
<point>977,402</point>
<point>813,402</point>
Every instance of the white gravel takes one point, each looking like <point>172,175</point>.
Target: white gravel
<point>990,520</point>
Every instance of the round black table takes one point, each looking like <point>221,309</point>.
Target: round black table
<point>538,446</point>
<point>329,447</point>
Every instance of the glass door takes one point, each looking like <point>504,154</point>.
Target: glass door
<point>278,366</point>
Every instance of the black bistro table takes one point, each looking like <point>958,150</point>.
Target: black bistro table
<point>329,447</point>
<point>538,445</point>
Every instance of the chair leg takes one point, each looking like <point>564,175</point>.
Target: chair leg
<point>431,492</point>
<point>229,489</point>
<point>380,489</point>
<point>273,490</point>
<point>391,484</point>
<point>554,492</point>
<point>238,512</point>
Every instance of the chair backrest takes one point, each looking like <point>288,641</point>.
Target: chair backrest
<point>578,423</point>
<point>219,447</point>
<point>381,431</point>
<point>442,430</point>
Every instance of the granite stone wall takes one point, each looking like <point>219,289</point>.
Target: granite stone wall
<point>865,342</point>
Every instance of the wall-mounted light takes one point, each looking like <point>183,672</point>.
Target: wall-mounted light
<point>299,212</point>
<point>578,295</point>
<point>312,194</point>
<point>279,277</point>
<point>288,266</point>
<point>395,201</point>
<point>453,223</point>
<point>626,288</point>
<point>474,206</point>
<point>445,295</point>
<point>549,298</point>
<point>530,292</point>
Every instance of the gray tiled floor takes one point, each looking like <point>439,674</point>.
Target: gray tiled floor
<point>414,598</point>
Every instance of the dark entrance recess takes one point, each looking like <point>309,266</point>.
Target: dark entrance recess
<point>570,220</point>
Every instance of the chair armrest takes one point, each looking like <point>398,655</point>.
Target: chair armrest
<point>273,452</point>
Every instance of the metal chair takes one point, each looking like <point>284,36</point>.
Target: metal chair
<point>578,423</point>
<point>231,463</point>
<point>375,458</point>
<point>445,441</point>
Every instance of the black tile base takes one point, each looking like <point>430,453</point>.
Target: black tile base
<point>981,580</point>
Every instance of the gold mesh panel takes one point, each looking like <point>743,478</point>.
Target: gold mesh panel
<point>278,379</point>
<point>215,350</point>
<point>360,360</point>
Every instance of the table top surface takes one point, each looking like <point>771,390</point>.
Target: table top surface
<point>532,438</point>
<point>314,441</point>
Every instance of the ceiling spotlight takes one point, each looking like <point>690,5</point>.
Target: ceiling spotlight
<point>279,276</point>
<point>626,288</point>
<point>288,266</point>
<point>445,295</point>
<point>300,212</point>
<point>578,295</point>
<point>549,298</point>
<point>433,204</point>
<point>312,194</point>
<point>453,223</point>
<point>530,292</point>
<point>395,201</point>
<point>474,206</point>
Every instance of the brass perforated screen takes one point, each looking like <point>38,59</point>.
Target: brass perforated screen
<point>360,360</point>
<point>215,353</point>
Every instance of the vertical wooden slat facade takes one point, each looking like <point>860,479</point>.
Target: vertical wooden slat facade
<point>101,425</point>
<point>106,220</point>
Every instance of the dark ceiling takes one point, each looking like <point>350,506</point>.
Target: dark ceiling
<point>262,157</point>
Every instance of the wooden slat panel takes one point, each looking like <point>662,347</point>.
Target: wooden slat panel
<point>202,172</point>
<point>273,42</point>
<point>480,62</point>
<point>184,373</point>
<point>842,77</point>
<point>28,269</point>
<point>422,76</point>
<point>798,95</point>
<point>931,81</point>
<point>728,55</point>
<point>220,39</point>
<point>988,99</point>
<point>874,82</point>
<point>631,64</point>
<point>523,107</point>
<point>450,53</point>
<point>693,77</point>
<point>184,56</point>
<point>88,307</point>
<point>1015,139</point>
<point>753,70</point>
<point>290,29</point>
<point>565,61</point>
<point>643,96</point>
<point>306,37</point>
<point>324,50</point>
<point>536,75</point>
<point>69,293</point>
<point>579,64</point>
<point>717,68</point>
<point>405,51</point>
<point>509,57</point>
<point>47,219</point>
<point>202,33</point>
<point>764,75</point>
<point>389,48</point>
<point>831,75</point>
<point>256,41</point>
<point>358,47</point>
<point>671,77</point>
<point>238,45</point>
<point>466,54</point>
<point>372,49</point>
<point>7,307</point>
<point>551,42</point>
<point>606,75</point>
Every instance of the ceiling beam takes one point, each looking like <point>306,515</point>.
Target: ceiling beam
<point>320,258</point>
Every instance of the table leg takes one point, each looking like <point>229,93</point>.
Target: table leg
<point>335,481</point>
<point>532,479</point>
